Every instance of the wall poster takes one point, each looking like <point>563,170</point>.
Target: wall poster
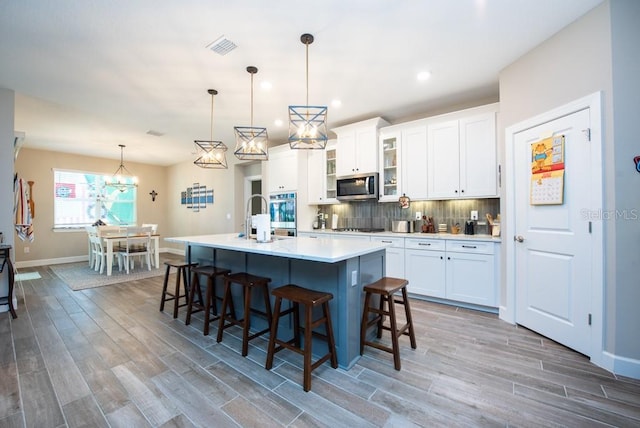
<point>547,171</point>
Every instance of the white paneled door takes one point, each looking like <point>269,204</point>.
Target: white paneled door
<point>553,243</point>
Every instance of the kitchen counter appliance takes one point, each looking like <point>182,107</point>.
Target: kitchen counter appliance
<point>403,226</point>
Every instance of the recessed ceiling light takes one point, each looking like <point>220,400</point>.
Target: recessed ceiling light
<point>266,85</point>
<point>423,75</point>
<point>336,103</point>
<point>277,122</point>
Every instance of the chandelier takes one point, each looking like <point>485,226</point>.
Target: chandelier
<point>211,154</point>
<point>251,142</point>
<point>122,179</point>
<point>307,124</point>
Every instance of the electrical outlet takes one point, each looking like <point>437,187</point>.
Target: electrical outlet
<point>26,250</point>
<point>418,215</point>
<point>354,277</point>
<point>474,215</point>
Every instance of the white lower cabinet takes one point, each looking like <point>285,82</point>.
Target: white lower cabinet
<point>471,272</point>
<point>464,271</point>
<point>394,265</point>
<point>424,265</point>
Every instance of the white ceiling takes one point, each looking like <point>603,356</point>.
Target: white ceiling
<point>92,74</point>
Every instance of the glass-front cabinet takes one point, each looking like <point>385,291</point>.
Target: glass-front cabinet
<point>331,172</point>
<point>321,178</point>
<point>389,166</point>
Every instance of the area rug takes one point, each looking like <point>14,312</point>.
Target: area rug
<point>78,276</point>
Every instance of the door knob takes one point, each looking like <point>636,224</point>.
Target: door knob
<point>518,238</point>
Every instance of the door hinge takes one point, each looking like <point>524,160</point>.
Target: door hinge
<point>589,319</point>
<point>587,133</point>
<point>590,227</point>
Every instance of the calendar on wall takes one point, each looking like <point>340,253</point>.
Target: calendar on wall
<point>547,171</point>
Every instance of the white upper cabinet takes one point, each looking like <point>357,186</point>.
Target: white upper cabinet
<point>403,161</point>
<point>282,168</point>
<point>462,156</point>
<point>357,147</point>
<point>321,175</point>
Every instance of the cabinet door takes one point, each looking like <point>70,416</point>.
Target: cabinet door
<point>346,153</point>
<point>425,271</point>
<point>443,160</point>
<point>470,278</point>
<point>315,172</point>
<point>414,163</point>
<point>283,170</point>
<point>478,157</point>
<point>389,167</point>
<point>394,265</point>
<point>366,150</point>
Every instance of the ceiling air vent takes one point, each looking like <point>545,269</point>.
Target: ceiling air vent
<point>222,46</point>
<point>155,133</point>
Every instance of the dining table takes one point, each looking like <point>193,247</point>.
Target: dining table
<point>111,237</point>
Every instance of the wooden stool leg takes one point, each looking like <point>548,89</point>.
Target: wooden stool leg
<point>223,311</point>
<point>186,285</point>
<point>307,347</point>
<point>195,284</point>
<point>407,311</point>
<point>274,334</point>
<point>164,288</point>
<point>267,302</point>
<point>381,315</point>
<point>296,324</point>
<point>394,332</point>
<point>209,294</point>
<point>330,341</point>
<point>176,294</point>
<point>246,325</point>
<point>365,321</point>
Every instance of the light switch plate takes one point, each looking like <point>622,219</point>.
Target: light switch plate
<point>474,215</point>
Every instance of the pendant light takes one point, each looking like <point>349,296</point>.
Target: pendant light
<point>251,142</point>
<point>307,124</point>
<point>211,153</point>
<point>122,179</point>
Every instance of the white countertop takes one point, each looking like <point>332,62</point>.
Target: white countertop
<point>458,236</point>
<point>319,250</point>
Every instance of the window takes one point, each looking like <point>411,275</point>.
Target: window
<point>81,198</point>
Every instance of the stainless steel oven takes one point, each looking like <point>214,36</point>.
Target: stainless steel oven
<point>282,209</point>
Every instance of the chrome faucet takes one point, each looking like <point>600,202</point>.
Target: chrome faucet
<point>247,224</point>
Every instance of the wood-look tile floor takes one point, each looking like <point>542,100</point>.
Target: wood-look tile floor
<point>107,357</point>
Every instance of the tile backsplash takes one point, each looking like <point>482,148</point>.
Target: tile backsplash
<point>375,214</point>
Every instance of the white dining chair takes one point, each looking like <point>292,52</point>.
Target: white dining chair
<point>137,244</point>
<point>154,230</point>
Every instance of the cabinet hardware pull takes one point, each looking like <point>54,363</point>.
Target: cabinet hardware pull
<point>421,243</point>
<point>469,246</point>
<point>387,242</point>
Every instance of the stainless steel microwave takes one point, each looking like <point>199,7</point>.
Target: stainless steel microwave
<point>357,187</point>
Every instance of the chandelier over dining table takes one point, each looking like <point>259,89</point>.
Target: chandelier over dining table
<point>122,179</point>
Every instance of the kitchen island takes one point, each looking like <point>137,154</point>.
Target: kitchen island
<point>339,267</point>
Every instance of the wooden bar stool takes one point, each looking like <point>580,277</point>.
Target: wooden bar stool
<point>310,299</point>
<point>386,288</point>
<point>248,283</point>
<point>175,296</point>
<point>209,302</point>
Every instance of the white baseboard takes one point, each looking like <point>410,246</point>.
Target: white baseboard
<point>72,259</point>
<point>622,366</point>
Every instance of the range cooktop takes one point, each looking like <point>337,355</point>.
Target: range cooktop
<point>362,229</point>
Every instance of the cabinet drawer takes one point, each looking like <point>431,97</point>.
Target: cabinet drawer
<point>425,244</point>
<point>395,242</point>
<point>470,247</point>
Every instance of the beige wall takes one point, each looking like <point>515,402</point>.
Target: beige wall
<point>38,165</point>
